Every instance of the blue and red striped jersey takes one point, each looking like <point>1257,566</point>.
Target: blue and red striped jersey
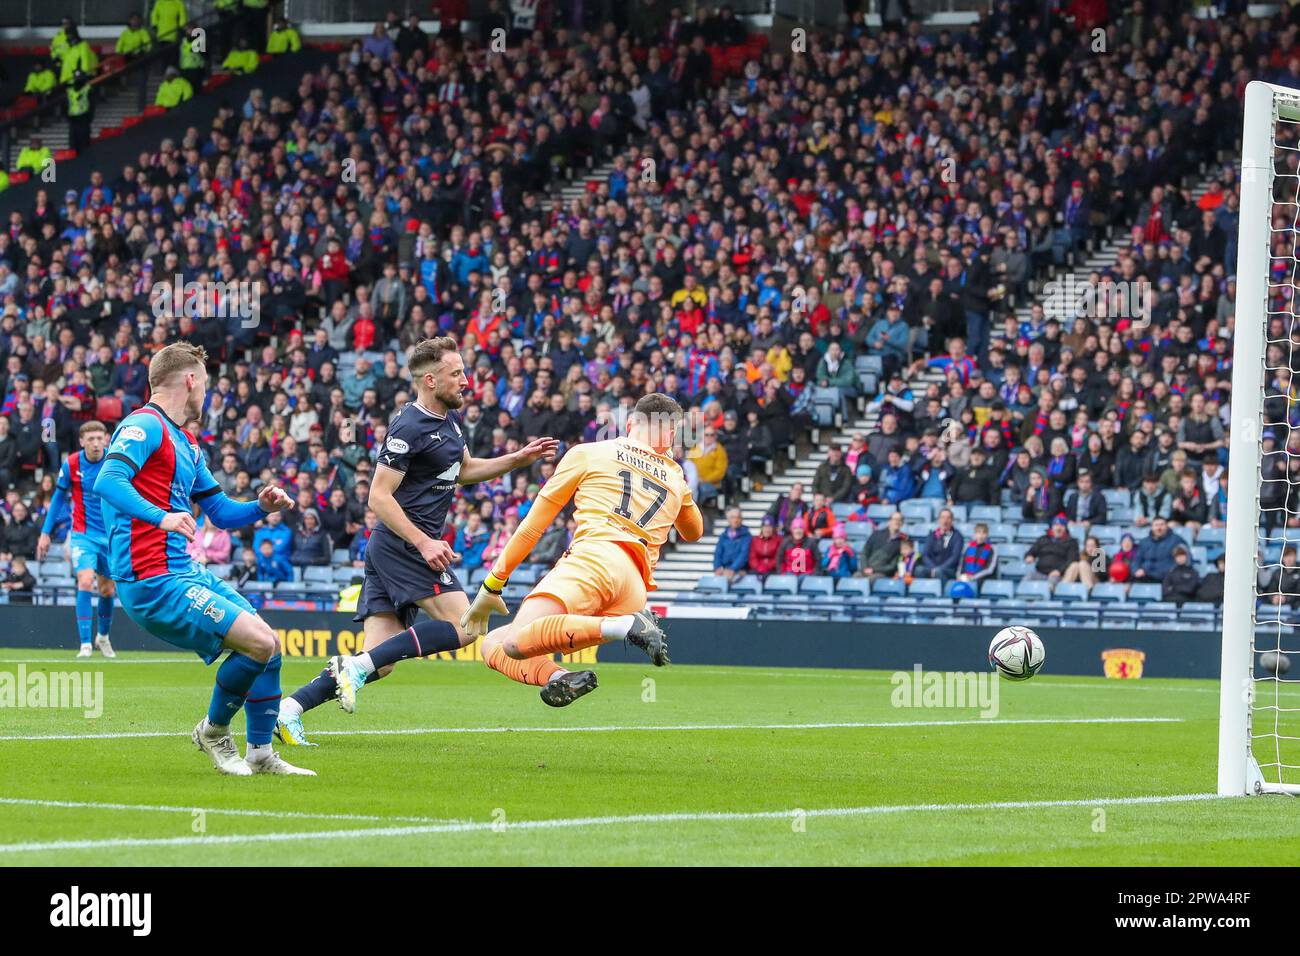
<point>76,483</point>
<point>170,472</point>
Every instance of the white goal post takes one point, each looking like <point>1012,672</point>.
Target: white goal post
<point>1259,708</point>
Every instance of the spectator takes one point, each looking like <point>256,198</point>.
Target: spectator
<point>839,561</point>
<point>1211,588</point>
<point>976,483</point>
<point>1188,508</point>
<point>311,546</point>
<point>211,545</point>
<point>764,547</point>
<point>280,535</point>
<point>833,479</point>
<point>880,554</point>
<point>1155,555</point>
<point>980,559</point>
<point>1181,583</point>
<point>1091,566</point>
<point>272,568</point>
<point>20,533</point>
<point>1085,505</point>
<point>942,554</point>
<point>19,582</point>
<point>788,508</point>
<point>360,539</point>
<point>1041,501</point>
<point>821,518</point>
<point>731,554</point>
<point>906,567</point>
<point>1120,569</point>
<point>798,552</point>
<point>471,541</point>
<point>1151,501</point>
<point>710,460</point>
<point>897,480</point>
<point>244,570</point>
<point>1052,554</point>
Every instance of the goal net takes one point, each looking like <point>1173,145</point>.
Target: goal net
<point>1259,709</point>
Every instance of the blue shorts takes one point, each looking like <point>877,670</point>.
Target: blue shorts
<point>88,553</point>
<point>193,609</point>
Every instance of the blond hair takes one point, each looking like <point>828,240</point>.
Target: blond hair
<point>177,357</point>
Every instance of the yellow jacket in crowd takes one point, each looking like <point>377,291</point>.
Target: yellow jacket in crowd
<point>173,92</point>
<point>240,61</point>
<point>711,464</point>
<point>133,41</point>
<point>80,57</point>
<point>33,158</point>
<point>40,81</point>
<point>283,41</point>
<point>167,18</point>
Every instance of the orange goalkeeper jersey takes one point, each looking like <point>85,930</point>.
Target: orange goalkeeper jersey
<point>622,491</point>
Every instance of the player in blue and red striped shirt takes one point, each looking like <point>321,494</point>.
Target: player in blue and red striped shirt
<point>87,540</point>
<point>154,469</point>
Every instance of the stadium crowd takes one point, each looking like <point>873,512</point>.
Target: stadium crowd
<point>771,218</point>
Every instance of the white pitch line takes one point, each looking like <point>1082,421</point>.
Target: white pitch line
<point>92,662</point>
<point>578,822</point>
<point>622,728</point>
<point>274,814</point>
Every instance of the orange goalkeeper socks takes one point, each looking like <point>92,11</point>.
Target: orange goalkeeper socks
<point>536,670</point>
<point>559,633</point>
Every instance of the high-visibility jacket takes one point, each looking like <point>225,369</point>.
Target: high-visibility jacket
<point>33,159</point>
<point>189,59</point>
<point>284,41</point>
<point>225,6</point>
<point>241,61</point>
<point>133,41</point>
<point>79,100</point>
<point>173,92</point>
<point>254,4</point>
<point>167,18</point>
<point>348,598</point>
<point>80,57</point>
<point>59,45</point>
<point>4,180</point>
<point>40,82</point>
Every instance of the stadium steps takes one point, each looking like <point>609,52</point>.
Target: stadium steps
<point>679,571</point>
<point>109,111</point>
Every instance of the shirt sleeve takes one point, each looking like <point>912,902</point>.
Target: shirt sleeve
<point>400,444</point>
<point>138,437</point>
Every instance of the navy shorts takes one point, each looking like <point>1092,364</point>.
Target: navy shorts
<point>397,577</point>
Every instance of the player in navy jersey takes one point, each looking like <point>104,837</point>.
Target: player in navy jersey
<point>154,469</point>
<point>408,564</point>
<point>87,539</point>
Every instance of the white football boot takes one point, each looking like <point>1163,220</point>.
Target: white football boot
<point>86,650</point>
<point>105,646</point>
<point>268,761</point>
<point>222,750</point>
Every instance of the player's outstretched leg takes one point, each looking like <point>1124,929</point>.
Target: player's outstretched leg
<point>559,687</point>
<point>566,633</point>
<point>420,640</point>
<point>235,678</point>
<point>104,619</point>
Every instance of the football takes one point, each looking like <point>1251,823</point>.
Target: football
<point>1017,653</point>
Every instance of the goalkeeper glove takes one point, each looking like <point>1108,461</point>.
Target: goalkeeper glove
<point>487,602</point>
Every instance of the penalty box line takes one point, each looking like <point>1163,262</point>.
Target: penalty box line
<point>217,811</point>
<point>561,823</point>
<point>631,728</point>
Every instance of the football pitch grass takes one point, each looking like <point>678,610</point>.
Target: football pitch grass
<point>447,763</point>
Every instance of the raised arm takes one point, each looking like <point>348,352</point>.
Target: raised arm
<point>475,470</point>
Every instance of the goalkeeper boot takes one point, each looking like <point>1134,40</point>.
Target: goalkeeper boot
<point>289,729</point>
<point>349,677</point>
<point>564,689</point>
<point>266,760</point>
<point>221,748</point>
<point>649,636</point>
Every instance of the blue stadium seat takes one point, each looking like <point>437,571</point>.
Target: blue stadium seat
<point>781,584</point>
<point>1002,532</point>
<point>711,584</point>
<point>748,585</point>
<point>853,588</point>
<point>477,576</point>
<point>925,587</point>
<point>816,587</point>
<point>1012,551</point>
<point>959,512</point>
<point>339,556</point>
<point>343,575</point>
<point>58,569</point>
<point>888,586</point>
<point>1143,593</point>
<point>1030,531</point>
<point>1108,535</point>
<point>1116,497</point>
<point>1013,570</point>
<point>1121,515</point>
<point>1034,591</point>
<point>1108,591</point>
<point>880,512</point>
<point>316,575</point>
<point>526,574</point>
<point>842,509</point>
<point>917,510</point>
<point>997,589</point>
<point>989,514</point>
<point>1212,537</point>
<point>220,570</point>
<point>1071,591</point>
<point>870,363</point>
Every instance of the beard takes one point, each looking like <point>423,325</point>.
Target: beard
<point>450,398</point>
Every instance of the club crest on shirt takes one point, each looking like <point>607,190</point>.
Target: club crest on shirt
<point>195,449</point>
